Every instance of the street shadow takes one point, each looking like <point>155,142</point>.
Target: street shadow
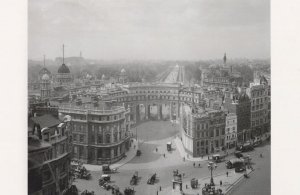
<point>148,154</point>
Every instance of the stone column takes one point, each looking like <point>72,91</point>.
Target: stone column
<point>96,155</point>
<point>112,153</point>
<point>170,107</point>
<point>146,111</point>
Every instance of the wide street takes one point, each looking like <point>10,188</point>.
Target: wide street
<point>154,135</point>
<point>260,180</point>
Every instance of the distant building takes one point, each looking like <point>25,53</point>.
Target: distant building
<point>123,76</point>
<point>101,132</point>
<point>64,77</point>
<point>221,76</point>
<point>203,130</point>
<point>51,149</point>
<point>45,86</point>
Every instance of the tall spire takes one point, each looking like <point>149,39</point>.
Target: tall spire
<point>224,59</point>
<point>63,53</point>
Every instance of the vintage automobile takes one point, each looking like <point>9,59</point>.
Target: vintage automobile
<point>129,191</point>
<point>71,191</point>
<point>239,169</point>
<point>211,190</point>
<point>169,146</point>
<point>138,153</point>
<point>152,179</point>
<point>238,154</point>
<point>194,183</point>
<point>82,173</point>
<point>106,169</point>
<point>233,163</point>
<point>86,192</point>
<point>217,158</point>
<point>134,179</point>
<point>245,147</point>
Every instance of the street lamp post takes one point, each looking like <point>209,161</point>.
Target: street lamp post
<point>211,166</point>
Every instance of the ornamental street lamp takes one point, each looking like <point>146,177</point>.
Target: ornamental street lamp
<point>211,166</point>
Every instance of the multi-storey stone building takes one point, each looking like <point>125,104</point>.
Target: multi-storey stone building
<point>203,130</point>
<point>53,159</point>
<point>260,108</point>
<point>231,130</point>
<point>101,132</point>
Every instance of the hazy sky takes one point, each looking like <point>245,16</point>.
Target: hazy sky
<point>149,29</point>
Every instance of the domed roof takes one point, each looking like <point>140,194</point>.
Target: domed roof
<point>123,70</point>
<point>44,71</point>
<point>243,96</point>
<point>45,77</point>
<point>63,69</point>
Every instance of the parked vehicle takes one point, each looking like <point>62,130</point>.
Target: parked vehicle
<point>86,192</point>
<point>245,147</point>
<point>71,191</point>
<point>138,153</point>
<point>169,146</point>
<point>194,183</point>
<point>233,163</point>
<point>239,169</point>
<point>152,179</point>
<point>129,191</point>
<point>218,158</point>
<point>238,154</point>
<point>106,169</point>
<point>134,179</point>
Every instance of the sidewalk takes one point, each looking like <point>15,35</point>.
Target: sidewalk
<point>130,155</point>
<point>227,184</point>
<point>188,157</point>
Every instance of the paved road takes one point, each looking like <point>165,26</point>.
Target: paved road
<point>154,162</point>
<point>259,182</point>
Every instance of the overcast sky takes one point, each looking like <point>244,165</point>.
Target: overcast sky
<point>149,29</point>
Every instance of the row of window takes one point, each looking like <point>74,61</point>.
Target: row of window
<point>257,107</point>
<point>206,143</point>
<point>259,122</point>
<point>216,133</point>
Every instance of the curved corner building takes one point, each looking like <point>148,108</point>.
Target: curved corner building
<point>100,132</point>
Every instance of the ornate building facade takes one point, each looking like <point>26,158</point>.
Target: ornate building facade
<point>101,132</point>
<point>203,130</point>
<point>52,150</point>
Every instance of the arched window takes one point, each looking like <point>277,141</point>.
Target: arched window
<point>107,138</point>
<point>115,136</point>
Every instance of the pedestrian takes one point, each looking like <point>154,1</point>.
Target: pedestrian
<point>261,155</point>
<point>208,157</point>
<point>159,188</point>
<point>183,159</point>
<point>186,186</point>
<point>164,155</point>
<point>221,183</point>
<point>194,164</point>
<point>227,173</point>
<point>156,149</point>
<point>199,165</point>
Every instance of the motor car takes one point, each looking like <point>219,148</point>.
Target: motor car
<point>239,169</point>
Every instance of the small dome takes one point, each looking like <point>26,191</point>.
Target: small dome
<point>243,96</point>
<point>45,77</point>
<point>103,77</point>
<point>63,69</point>
<point>123,70</point>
